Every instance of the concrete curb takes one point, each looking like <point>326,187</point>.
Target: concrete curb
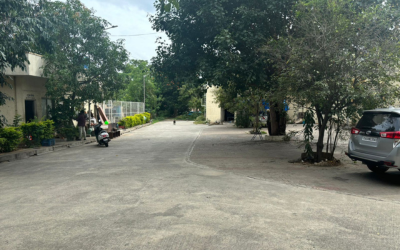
<point>26,153</point>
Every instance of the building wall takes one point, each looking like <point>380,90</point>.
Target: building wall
<point>8,110</point>
<point>33,68</point>
<point>295,112</point>
<point>213,112</point>
<point>24,88</point>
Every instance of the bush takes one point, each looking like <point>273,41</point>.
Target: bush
<point>33,133</point>
<point>140,117</point>
<point>148,116</point>
<point>201,118</point>
<point>70,133</point>
<point>122,122</point>
<point>132,121</point>
<point>48,129</point>
<point>9,139</point>
<point>242,120</point>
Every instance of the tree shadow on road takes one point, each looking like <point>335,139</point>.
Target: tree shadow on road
<point>390,178</point>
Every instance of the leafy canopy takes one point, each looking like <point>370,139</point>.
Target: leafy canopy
<point>85,64</point>
<point>21,21</point>
<point>340,57</point>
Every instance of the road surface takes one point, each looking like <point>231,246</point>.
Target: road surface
<point>149,190</point>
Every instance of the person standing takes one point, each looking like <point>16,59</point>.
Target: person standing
<point>81,124</point>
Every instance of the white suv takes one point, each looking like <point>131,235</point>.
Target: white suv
<point>375,141</point>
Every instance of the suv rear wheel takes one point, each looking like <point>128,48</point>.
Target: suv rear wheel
<point>377,169</point>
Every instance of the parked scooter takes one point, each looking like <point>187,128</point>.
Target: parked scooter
<point>102,136</point>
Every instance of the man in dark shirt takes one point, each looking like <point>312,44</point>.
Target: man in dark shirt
<point>81,124</point>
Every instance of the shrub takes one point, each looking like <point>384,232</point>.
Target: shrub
<point>17,120</point>
<point>141,119</point>
<point>132,121</point>
<point>123,122</point>
<point>200,118</point>
<point>33,133</point>
<point>242,120</point>
<point>70,133</point>
<point>148,116</point>
<point>9,139</point>
<point>48,129</point>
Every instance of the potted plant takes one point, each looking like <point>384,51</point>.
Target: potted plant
<point>33,133</point>
<point>48,133</point>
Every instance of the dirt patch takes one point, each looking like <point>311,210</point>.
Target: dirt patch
<point>326,163</point>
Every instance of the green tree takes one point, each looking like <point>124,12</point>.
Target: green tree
<point>21,22</point>
<point>247,105</point>
<point>134,73</point>
<point>340,57</point>
<point>192,96</point>
<point>217,42</point>
<point>84,64</point>
<point>169,97</point>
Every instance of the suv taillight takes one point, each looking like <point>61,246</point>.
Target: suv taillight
<point>390,135</point>
<point>355,131</point>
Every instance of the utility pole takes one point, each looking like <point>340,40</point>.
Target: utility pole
<point>144,93</point>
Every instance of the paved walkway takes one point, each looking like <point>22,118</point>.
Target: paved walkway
<point>24,153</point>
<point>147,191</point>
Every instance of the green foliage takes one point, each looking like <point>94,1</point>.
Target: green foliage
<point>308,125</point>
<point>49,129</point>
<point>34,131</point>
<point>37,131</point>
<point>69,132</point>
<point>135,73</point>
<point>132,121</point>
<point>247,105</point>
<point>21,22</point>
<point>10,137</point>
<point>339,57</point>
<point>17,120</point>
<point>158,119</point>
<point>148,116</point>
<point>84,63</point>
<point>218,42</point>
<point>242,120</point>
<point>200,118</point>
<point>192,116</point>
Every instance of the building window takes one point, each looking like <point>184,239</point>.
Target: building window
<point>46,106</point>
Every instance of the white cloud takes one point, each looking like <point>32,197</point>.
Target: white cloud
<point>131,16</point>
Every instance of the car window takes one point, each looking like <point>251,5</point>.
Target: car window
<point>379,122</point>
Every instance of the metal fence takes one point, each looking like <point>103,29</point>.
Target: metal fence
<point>116,110</point>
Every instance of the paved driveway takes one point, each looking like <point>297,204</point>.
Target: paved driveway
<point>148,190</point>
<point>229,149</point>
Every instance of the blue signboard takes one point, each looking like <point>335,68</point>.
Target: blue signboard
<point>266,105</point>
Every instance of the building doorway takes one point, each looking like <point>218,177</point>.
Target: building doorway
<point>229,116</point>
<point>29,110</point>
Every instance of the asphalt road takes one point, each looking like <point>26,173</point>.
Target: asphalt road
<point>151,190</point>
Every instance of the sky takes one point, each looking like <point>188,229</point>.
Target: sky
<point>132,18</point>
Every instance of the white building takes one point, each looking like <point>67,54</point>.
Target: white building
<point>28,91</point>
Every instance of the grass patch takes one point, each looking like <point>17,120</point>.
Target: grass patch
<point>200,122</point>
<point>158,119</point>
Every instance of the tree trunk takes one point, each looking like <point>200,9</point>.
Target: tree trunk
<point>273,119</point>
<point>277,120</point>
<point>321,134</point>
<point>256,122</point>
